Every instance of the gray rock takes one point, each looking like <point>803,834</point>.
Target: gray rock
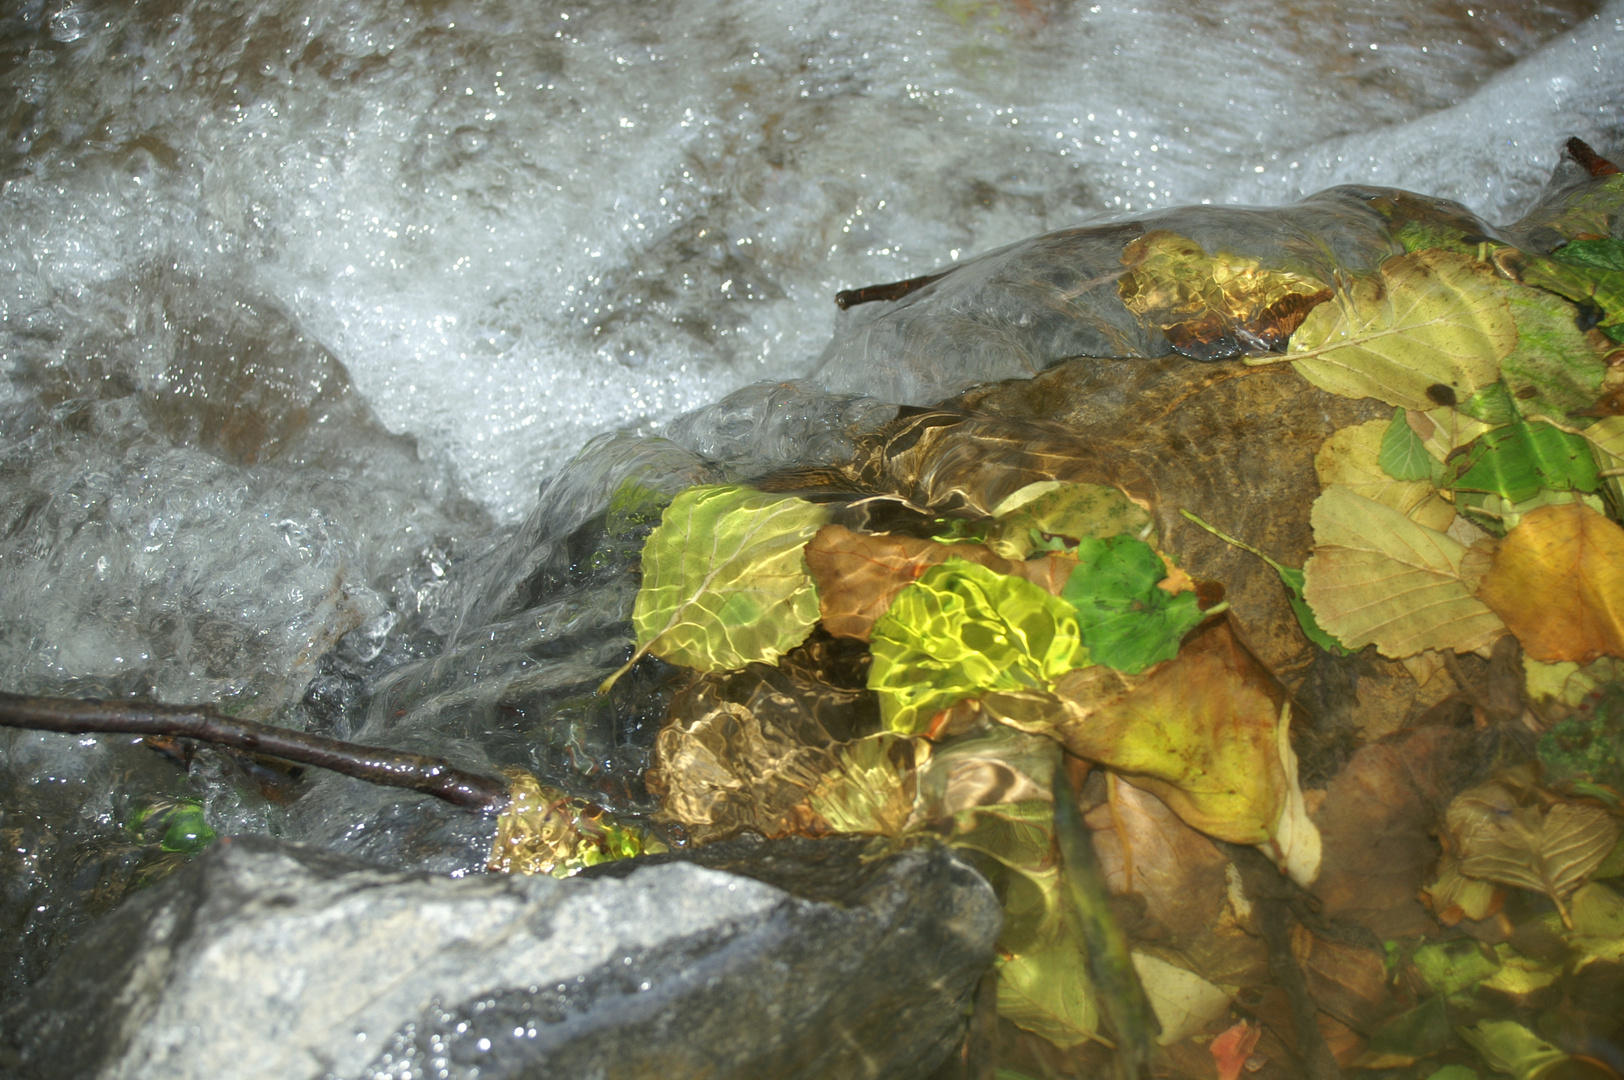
<point>272,960</point>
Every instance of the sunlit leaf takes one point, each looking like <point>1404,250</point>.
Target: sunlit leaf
<point>1125,620</point>
<point>872,787</point>
<point>1403,455</point>
<point>724,581</point>
<point>1550,851</point>
<point>1508,1047</point>
<point>1520,976</point>
<point>961,631</point>
<point>1054,508</point>
<point>1185,1003</point>
<point>544,831</point>
<point>1558,582</point>
<point>1430,329</point>
<point>1519,460</point>
<point>1352,457</point>
<point>1376,576</point>
<point>859,574</point>
<point>1292,578</point>
<point>1212,307</point>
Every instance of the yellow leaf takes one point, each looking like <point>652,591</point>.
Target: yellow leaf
<point>1558,582</point>
<point>1376,576</point>
<point>1430,329</point>
<point>1349,457</point>
<point>1184,1002</point>
<point>1213,306</point>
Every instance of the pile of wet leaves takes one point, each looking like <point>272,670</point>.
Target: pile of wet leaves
<point>1282,701</point>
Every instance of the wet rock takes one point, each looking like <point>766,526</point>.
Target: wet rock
<point>266,959</point>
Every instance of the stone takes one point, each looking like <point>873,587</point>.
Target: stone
<point>263,959</point>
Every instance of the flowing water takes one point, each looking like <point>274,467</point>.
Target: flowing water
<point>306,310</point>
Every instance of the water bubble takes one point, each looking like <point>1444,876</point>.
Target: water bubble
<point>69,24</point>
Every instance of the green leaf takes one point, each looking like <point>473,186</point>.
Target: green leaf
<point>1292,579</point>
<point>1127,622</point>
<point>1430,330</point>
<point>1554,370</point>
<point>1410,1036</point>
<point>1054,509</point>
<point>1584,271</point>
<point>724,580</point>
<point>1455,1072</point>
<point>1452,967</point>
<point>1042,986</point>
<point>1506,1046</point>
<point>1403,455</point>
<point>1519,460</point>
<point>1604,254</point>
<point>1588,746</point>
<point>960,631</point>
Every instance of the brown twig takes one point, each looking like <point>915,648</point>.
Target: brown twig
<point>895,290</point>
<point>374,764</point>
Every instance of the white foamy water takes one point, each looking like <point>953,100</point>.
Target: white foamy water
<point>299,299</point>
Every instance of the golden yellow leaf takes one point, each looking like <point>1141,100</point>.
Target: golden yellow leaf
<point>1213,306</point>
<point>1349,457</point>
<point>1376,576</point>
<point>1558,582</point>
<point>1430,329</point>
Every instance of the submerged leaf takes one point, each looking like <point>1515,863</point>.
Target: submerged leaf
<point>1231,1049</point>
<point>1588,747</point>
<point>1376,576</point>
<point>1292,579</point>
<point>1054,508</point>
<point>544,831</point>
<point>1558,582</point>
<point>1508,1047</point>
<point>1125,620</point>
<point>1550,852</point>
<point>1430,330</point>
<point>724,582</point>
<point>860,574</point>
<point>1213,307</point>
<point>1184,1002</point>
<point>962,630</point>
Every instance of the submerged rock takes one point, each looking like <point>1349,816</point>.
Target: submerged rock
<point>266,959</point>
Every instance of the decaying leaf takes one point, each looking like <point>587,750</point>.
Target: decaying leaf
<point>1556,368</point>
<point>1231,1049</point>
<point>860,574</point>
<point>1454,896</point>
<point>1550,851</point>
<point>544,831</point>
<point>1431,329</point>
<point>1558,582</point>
<point>1450,968</point>
<point>1066,511</point>
<point>724,581</point>
<point>1125,619</point>
<point>1185,1003</point>
<point>1353,456</point>
<point>1376,576</point>
<point>1588,747</point>
<point>961,631</point>
<point>1409,1037</point>
<point>1204,732</point>
<point>1212,307</point>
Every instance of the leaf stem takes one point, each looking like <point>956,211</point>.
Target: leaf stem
<point>205,723</point>
<point>1226,538</point>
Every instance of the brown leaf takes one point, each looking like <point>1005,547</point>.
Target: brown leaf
<point>1376,824</point>
<point>1145,849</point>
<point>1558,582</point>
<point>1347,981</point>
<point>859,574</point>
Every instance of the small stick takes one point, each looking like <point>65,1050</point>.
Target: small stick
<point>205,723</point>
<point>896,290</point>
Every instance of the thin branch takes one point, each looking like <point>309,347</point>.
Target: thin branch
<point>374,764</point>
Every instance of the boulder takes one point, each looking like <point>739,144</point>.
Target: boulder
<point>268,959</point>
